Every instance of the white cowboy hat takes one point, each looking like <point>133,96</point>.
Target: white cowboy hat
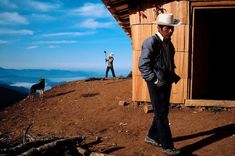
<point>167,19</point>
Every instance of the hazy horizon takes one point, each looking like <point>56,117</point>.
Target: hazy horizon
<point>27,77</point>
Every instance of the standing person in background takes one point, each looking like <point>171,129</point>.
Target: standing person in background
<point>157,67</point>
<point>109,62</point>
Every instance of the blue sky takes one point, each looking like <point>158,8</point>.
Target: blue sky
<point>60,34</point>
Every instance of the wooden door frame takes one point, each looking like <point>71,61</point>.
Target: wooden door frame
<point>203,5</point>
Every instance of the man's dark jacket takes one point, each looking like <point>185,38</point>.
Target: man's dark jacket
<point>153,63</point>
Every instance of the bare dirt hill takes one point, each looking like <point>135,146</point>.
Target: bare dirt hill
<point>91,109</point>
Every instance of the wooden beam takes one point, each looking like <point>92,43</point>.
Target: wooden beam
<point>218,103</point>
<point>123,12</point>
<point>125,21</point>
<point>119,10</point>
<point>214,3</point>
<point>119,3</point>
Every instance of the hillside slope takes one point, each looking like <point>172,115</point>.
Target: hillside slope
<point>9,96</point>
<point>91,108</point>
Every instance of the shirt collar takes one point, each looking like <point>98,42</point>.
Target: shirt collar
<point>160,36</point>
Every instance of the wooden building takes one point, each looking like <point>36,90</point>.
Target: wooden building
<point>204,50</point>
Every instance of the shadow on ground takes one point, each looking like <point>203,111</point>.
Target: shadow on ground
<point>215,135</point>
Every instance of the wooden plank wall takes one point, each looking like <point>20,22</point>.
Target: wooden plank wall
<point>143,25</point>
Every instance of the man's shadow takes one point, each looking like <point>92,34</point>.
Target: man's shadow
<point>215,134</point>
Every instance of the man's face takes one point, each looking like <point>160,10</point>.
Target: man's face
<point>166,31</point>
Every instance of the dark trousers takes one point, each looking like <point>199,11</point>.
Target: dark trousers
<point>160,129</point>
<point>107,71</point>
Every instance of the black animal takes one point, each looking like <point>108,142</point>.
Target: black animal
<point>40,86</point>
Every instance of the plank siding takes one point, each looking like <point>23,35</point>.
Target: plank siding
<point>143,25</point>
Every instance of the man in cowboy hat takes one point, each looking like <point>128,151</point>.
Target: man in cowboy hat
<point>156,65</point>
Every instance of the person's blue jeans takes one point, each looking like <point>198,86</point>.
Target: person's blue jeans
<point>107,71</point>
<point>160,129</point>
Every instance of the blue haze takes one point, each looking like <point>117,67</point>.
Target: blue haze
<point>27,77</point>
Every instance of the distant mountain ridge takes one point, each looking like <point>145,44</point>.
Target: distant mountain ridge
<point>45,73</point>
<point>22,90</point>
<point>53,77</point>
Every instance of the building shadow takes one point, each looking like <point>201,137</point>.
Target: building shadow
<point>60,94</point>
<point>215,135</point>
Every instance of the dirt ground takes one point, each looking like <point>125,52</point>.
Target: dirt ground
<point>91,109</point>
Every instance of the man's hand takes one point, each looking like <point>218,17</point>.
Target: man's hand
<point>159,83</point>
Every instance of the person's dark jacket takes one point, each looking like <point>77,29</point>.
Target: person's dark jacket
<point>153,63</point>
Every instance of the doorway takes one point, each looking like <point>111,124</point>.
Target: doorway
<point>213,56</point>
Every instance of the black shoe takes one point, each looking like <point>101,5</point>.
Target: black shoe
<point>172,151</point>
<point>152,142</point>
